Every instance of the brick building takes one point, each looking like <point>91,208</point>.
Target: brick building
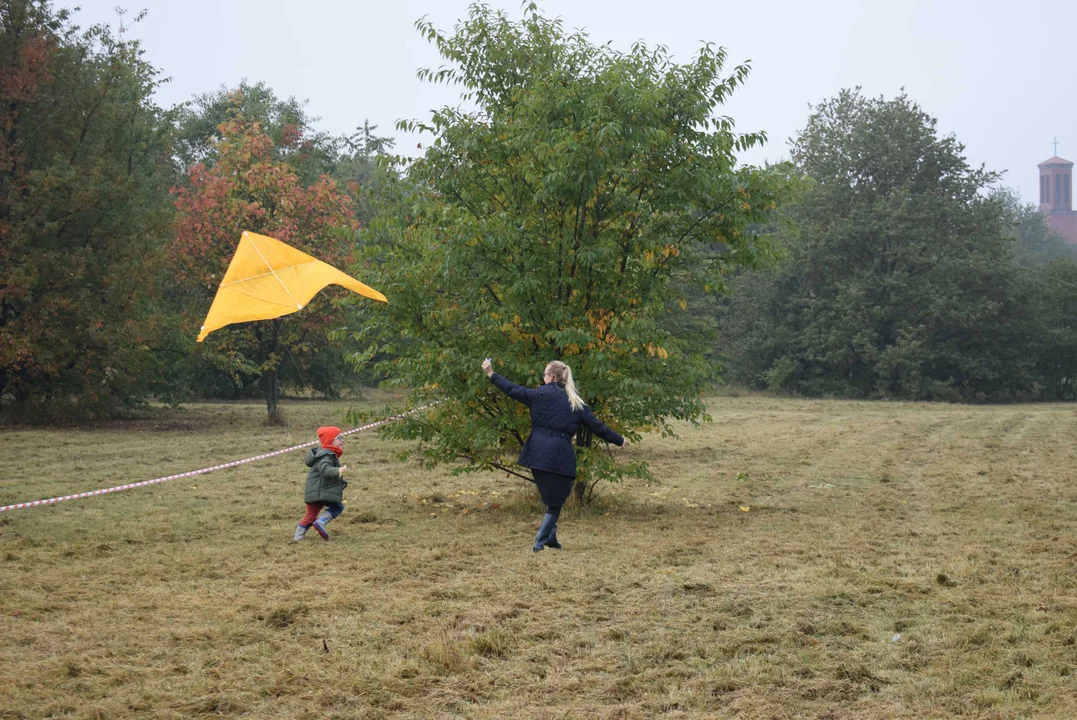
<point>1056,197</point>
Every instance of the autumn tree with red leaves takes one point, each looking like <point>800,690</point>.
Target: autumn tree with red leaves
<point>246,182</point>
<point>84,175</point>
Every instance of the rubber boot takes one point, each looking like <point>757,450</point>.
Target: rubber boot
<point>325,517</point>
<point>545,532</point>
<point>300,533</point>
<point>552,543</point>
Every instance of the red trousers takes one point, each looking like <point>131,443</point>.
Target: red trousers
<point>312,514</point>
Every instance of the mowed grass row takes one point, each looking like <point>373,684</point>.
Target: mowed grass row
<point>895,561</point>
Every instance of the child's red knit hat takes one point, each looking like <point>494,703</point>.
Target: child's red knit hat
<point>328,434</point>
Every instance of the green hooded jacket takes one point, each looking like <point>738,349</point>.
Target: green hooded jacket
<point>324,483</point>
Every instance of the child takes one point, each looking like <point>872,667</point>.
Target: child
<point>324,492</point>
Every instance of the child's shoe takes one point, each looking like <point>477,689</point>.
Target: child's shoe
<point>319,525</point>
<point>300,533</point>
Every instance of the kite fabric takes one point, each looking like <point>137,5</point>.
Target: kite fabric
<point>267,279</point>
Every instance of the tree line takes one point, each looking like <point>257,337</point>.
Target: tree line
<point>590,207</point>
<point>118,218</point>
<point>904,272</point>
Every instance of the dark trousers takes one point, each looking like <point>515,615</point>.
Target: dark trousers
<point>554,489</point>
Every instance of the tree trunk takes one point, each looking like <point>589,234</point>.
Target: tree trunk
<point>272,388</point>
<point>270,380</point>
<point>584,438</point>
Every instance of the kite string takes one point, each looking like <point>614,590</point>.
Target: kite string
<point>255,246</point>
<point>192,473</point>
<point>302,378</point>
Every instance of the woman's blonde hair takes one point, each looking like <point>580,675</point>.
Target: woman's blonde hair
<point>563,374</point>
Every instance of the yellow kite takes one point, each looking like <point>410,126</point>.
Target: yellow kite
<point>267,279</point>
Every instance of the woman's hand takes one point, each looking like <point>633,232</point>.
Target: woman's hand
<point>487,367</point>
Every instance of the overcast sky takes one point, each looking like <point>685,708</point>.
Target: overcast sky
<point>1000,75</point>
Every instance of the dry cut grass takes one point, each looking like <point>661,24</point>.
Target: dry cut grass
<point>799,559</point>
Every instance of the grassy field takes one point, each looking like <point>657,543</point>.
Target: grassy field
<point>895,561</point>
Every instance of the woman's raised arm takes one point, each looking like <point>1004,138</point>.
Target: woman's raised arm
<point>514,391</point>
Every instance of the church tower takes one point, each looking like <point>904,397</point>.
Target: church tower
<point>1056,196</point>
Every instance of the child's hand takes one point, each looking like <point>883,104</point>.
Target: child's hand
<point>341,469</point>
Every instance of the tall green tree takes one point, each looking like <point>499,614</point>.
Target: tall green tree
<point>1053,340</point>
<point>899,278</point>
<point>365,164</point>
<point>1035,243</point>
<point>84,215</point>
<point>556,221</point>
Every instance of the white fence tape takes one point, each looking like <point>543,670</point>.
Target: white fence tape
<point>192,473</point>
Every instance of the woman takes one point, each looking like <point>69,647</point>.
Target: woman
<point>557,411</point>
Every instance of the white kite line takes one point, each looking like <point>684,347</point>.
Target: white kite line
<point>192,473</point>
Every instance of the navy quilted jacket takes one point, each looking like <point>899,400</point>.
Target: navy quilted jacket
<point>553,425</point>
